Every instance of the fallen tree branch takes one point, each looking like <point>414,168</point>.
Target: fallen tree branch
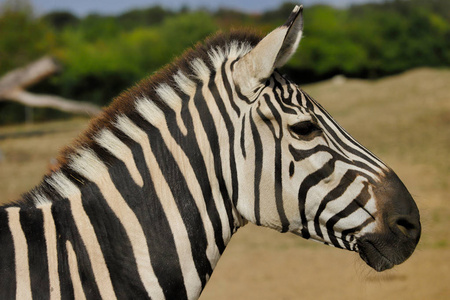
<point>28,75</point>
<point>13,84</point>
<point>56,102</point>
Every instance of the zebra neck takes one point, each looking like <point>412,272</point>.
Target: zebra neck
<point>148,192</point>
<point>139,203</point>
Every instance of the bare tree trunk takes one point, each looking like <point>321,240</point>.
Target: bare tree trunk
<point>13,84</point>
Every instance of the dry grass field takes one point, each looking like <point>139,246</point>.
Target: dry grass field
<point>404,119</point>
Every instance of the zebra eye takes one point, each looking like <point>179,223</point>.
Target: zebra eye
<point>305,129</point>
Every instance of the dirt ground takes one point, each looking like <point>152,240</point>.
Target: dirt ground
<point>262,264</point>
<point>404,119</point>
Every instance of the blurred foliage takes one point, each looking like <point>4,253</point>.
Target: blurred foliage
<point>102,55</point>
<point>372,40</point>
<point>23,38</point>
<point>108,59</point>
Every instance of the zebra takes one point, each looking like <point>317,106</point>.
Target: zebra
<point>144,202</point>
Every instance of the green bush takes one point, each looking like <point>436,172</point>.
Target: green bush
<point>103,55</point>
<point>23,38</point>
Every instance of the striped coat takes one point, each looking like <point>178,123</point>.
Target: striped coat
<point>143,204</point>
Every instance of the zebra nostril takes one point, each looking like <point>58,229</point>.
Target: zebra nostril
<point>407,225</point>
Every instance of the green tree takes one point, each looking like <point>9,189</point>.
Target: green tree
<point>185,30</point>
<point>151,16</point>
<point>23,37</point>
<point>61,19</point>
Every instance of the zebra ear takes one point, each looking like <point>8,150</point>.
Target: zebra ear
<point>273,51</point>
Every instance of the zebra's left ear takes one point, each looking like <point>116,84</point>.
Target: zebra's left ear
<point>273,51</point>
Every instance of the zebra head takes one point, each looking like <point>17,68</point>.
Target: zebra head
<point>303,173</point>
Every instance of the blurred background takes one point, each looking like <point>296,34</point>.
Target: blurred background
<point>381,68</point>
<point>106,46</point>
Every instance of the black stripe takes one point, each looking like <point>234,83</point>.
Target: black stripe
<point>67,230</point>
<point>346,147</point>
<point>184,201</point>
<point>112,237</point>
<point>32,221</point>
<point>278,164</point>
<point>7,259</point>
<point>335,145</point>
<point>335,193</point>
<point>281,100</point>
<point>358,228</point>
<point>213,139</point>
<point>309,102</point>
<point>359,202</point>
<point>258,167</point>
<point>244,154</point>
<point>310,181</point>
<point>231,135</point>
<point>237,88</point>
<point>303,154</point>
<point>299,99</point>
<point>151,216</point>
<point>227,85</point>
<point>363,153</point>
<point>191,148</point>
<point>279,188</point>
<point>291,169</point>
<point>267,120</point>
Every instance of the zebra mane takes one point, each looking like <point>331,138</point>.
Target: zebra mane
<point>210,53</point>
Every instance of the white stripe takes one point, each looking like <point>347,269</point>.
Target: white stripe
<point>247,166</point>
<point>238,49</point>
<point>347,139</point>
<point>200,69</point>
<point>127,126</point>
<point>88,165</point>
<point>168,95</point>
<point>186,85</point>
<point>225,144</point>
<point>52,254</point>
<point>40,200</point>
<point>74,275</point>
<point>68,190</point>
<point>212,252</point>
<point>116,147</point>
<point>23,286</point>
<point>334,206</point>
<point>359,217</point>
<point>154,115</point>
<point>205,149</point>
<point>230,52</point>
<point>223,140</point>
<point>183,246</point>
<point>217,56</point>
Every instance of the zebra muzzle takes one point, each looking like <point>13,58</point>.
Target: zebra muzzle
<point>399,230</point>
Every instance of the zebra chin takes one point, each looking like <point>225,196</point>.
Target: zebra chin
<point>398,231</point>
<point>380,256</point>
